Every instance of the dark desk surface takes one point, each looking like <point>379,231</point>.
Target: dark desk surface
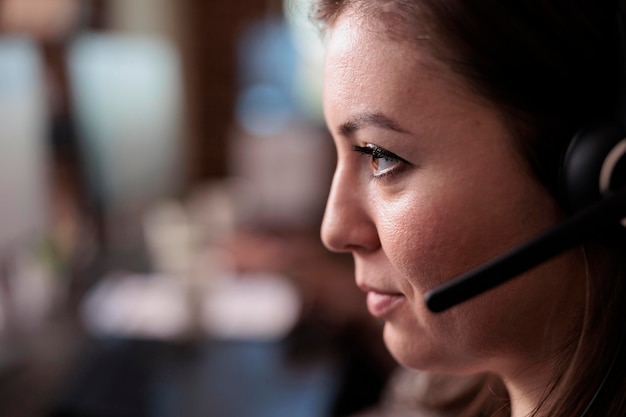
<point>307,374</point>
<point>119,378</point>
<point>61,372</point>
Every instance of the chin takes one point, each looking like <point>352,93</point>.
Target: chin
<point>416,351</point>
<point>412,350</point>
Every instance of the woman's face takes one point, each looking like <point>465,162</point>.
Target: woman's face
<point>428,184</point>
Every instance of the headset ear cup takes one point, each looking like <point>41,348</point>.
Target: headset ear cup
<point>590,158</point>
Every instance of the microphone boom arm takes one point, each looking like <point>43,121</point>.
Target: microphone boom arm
<point>571,232</point>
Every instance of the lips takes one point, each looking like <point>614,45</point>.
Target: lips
<point>381,304</point>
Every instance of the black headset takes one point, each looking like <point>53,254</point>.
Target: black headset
<point>593,181</point>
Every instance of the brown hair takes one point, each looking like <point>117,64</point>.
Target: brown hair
<point>548,66</point>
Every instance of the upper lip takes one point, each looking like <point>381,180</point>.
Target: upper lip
<point>368,288</point>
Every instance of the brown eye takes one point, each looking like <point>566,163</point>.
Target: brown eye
<point>382,161</point>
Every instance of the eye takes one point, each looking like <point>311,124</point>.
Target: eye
<point>382,161</point>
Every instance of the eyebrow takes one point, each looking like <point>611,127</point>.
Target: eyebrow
<point>369,119</point>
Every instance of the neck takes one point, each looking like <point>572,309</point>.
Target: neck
<point>528,389</point>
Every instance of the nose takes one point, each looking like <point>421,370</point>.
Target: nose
<point>347,226</point>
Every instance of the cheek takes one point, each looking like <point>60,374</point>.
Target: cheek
<point>433,241</point>
<point>433,237</point>
<point>418,243</point>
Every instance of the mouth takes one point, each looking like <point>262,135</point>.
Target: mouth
<point>381,303</point>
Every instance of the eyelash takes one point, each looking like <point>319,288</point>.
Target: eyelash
<point>375,152</point>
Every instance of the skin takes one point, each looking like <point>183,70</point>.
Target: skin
<point>454,193</point>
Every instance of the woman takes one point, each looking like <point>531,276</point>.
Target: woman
<point>450,120</point>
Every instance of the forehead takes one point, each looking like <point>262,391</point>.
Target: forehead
<point>366,69</point>
<point>354,37</point>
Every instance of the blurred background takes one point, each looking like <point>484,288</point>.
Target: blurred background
<point>163,171</point>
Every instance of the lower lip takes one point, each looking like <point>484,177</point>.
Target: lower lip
<point>380,305</point>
